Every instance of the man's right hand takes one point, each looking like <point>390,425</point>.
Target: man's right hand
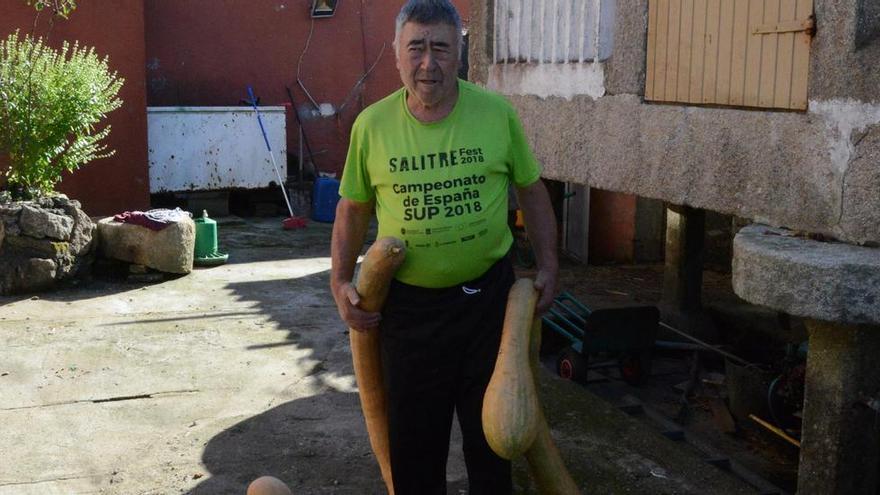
<point>347,300</point>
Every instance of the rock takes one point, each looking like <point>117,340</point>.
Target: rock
<point>83,232</point>
<point>37,274</point>
<point>9,214</point>
<point>28,247</point>
<point>168,250</point>
<point>18,276</point>
<point>39,223</point>
<point>61,200</point>
<point>42,243</point>
<point>11,225</point>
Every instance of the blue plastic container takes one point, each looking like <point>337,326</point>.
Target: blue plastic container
<point>324,199</point>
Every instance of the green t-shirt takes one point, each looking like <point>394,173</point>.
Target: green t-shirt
<point>441,187</point>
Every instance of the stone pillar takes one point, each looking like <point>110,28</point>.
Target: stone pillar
<point>681,303</point>
<point>840,442</point>
<point>683,275</point>
<point>836,287</point>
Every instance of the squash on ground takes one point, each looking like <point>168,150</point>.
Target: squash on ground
<point>268,485</point>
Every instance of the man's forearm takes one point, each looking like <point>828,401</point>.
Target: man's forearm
<point>349,232</point>
<point>540,224</point>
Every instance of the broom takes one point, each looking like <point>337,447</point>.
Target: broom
<point>293,221</point>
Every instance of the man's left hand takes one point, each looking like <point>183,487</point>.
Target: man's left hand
<point>541,228</point>
<point>546,283</point>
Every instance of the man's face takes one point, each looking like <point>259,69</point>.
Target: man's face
<point>427,58</point>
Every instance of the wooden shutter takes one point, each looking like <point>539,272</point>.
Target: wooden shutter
<point>752,53</point>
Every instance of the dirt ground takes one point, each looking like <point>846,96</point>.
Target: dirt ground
<point>743,329</point>
<point>199,384</point>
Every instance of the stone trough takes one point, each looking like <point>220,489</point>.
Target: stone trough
<point>168,250</point>
<point>836,288</point>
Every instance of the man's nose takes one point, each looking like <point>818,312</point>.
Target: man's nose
<point>428,60</point>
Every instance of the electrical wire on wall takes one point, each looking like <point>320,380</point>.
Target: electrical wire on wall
<point>361,80</point>
<point>337,110</point>
<point>323,111</point>
<point>299,66</point>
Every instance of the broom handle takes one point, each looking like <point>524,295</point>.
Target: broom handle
<point>269,147</point>
<point>259,119</point>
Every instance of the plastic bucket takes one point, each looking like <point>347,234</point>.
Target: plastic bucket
<point>324,199</point>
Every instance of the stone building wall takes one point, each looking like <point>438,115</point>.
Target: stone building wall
<point>817,171</point>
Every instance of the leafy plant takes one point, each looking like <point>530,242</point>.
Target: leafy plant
<point>61,8</point>
<point>50,104</point>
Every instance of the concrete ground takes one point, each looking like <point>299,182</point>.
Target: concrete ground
<point>201,383</point>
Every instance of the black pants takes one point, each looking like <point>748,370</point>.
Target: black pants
<point>438,351</point>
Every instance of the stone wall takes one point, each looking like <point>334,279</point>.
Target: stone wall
<point>42,243</point>
<point>817,171</point>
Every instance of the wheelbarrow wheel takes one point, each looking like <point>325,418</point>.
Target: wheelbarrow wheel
<point>572,365</point>
<point>635,368</point>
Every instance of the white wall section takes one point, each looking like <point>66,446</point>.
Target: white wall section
<point>548,80</point>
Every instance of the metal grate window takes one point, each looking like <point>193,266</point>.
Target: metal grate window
<point>552,31</point>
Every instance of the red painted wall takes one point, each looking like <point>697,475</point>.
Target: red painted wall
<point>612,226</point>
<point>206,52</point>
<point>116,29</point>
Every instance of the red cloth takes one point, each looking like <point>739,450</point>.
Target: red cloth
<point>139,218</point>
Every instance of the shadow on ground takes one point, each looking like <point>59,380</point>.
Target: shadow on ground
<point>316,444</point>
<point>298,442</point>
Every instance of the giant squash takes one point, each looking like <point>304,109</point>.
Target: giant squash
<point>545,463</point>
<point>377,269</point>
<point>510,404</point>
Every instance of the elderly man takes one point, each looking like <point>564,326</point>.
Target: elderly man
<point>434,159</point>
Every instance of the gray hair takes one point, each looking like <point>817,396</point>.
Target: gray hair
<point>429,12</point>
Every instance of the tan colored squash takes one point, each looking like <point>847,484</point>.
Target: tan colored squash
<point>545,464</point>
<point>268,485</point>
<point>510,404</point>
<point>377,269</point>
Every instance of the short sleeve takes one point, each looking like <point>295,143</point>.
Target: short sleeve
<point>355,184</point>
<point>524,167</point>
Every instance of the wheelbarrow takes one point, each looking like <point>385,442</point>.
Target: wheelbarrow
<point>627,332</point>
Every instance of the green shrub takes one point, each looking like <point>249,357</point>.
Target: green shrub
<point>61,8</point>
<point>50,104</point>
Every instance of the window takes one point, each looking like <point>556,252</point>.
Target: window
<point>552,31</point>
